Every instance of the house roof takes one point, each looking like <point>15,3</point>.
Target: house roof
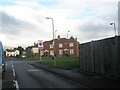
<point>10,50</point>
<point>61,40</point>
<point>57,41</point>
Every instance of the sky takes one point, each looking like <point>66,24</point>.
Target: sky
<point>23,22</point>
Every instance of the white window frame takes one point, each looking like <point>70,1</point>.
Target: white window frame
<point>60,45</point>
<point>51,45</point>
<point>71,44</point>
<point>60,51</point>
<point>71,51</point>
<point>51,52</point>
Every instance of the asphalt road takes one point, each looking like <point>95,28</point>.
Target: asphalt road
<point>28,76</point>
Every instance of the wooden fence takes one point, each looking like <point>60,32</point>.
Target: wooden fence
<point>101,57</point>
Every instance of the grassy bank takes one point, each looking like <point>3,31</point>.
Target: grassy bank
<point>37,58</point>
<point>64,64</point>
<point>48,58</point>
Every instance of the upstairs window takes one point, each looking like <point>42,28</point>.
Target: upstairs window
<point>71,44</point>
<point>51,45</point>
<point>60,45</point>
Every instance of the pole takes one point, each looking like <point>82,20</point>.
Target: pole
<point>53,38</point>
<point>115,29</point>
<point>40,54</point>
<point>53,41</point>
<point>67,33</point>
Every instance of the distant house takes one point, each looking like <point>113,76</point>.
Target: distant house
<point>11,52</point>
<point>36,51</point>
<point>63,47</point>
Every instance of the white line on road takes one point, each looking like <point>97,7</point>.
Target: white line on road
<point>16,84</point>
<point>34,70</point>
<point>12,66</point>
<point>13,72</point>
<point>31,66</point>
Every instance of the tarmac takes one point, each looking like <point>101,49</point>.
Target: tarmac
<point>85,79</point>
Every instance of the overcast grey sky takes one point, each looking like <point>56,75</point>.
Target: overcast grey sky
<point>23,21</point>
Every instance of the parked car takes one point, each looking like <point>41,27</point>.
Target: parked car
<point>2,62</point>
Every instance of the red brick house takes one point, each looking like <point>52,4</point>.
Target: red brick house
<point>63,47</point>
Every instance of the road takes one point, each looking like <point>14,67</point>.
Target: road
<point>28,76</point>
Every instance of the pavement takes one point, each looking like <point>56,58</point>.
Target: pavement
<point>85,79</point>
<point>7,81</point>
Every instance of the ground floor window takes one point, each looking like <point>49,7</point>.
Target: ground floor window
<point>60,51</point>
<point>71,51</point>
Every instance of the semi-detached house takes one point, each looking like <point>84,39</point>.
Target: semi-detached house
<point>63,47</point>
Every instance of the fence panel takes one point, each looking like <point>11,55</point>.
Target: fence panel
<point>101,57</point>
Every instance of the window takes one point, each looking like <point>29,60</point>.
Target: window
<point>60,51</point>
<point>60,45</point>
<point>71,51</point>
<point>51,45</point>
<point>51,52</point>
<point>42,53</point>
<point>71,44</point>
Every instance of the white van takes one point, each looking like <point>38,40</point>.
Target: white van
<point>2,62</point>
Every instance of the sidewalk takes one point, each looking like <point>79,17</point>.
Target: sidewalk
<point>90,81</point>
<point>7,81</point>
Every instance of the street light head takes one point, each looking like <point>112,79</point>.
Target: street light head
<point>55,30</point>
<point>48,18</point>
<point>111,23</point>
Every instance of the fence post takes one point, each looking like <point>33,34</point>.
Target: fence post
<point>117,62</point>
<point>92,57</point>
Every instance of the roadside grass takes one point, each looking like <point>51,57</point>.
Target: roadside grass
<point>64,64</point>
<point>48,58</point>
<point>37,58</point>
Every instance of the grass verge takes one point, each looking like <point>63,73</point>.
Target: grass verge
<point>64,64</point>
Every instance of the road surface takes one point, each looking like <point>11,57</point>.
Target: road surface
<point>28,76</point>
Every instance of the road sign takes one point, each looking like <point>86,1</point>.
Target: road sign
<point>40,43</point>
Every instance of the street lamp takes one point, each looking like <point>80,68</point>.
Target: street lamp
<point>67,33</point>
<point>55,33</point>
<point>114,27</point>
<point>53,38</point>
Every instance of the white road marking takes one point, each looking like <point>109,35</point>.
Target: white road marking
<point>12,66</point>
<point>33,70</point>
<point>31,66</point>
<point>6,64</point>
<point>13,72</point>
<point>16,84</point>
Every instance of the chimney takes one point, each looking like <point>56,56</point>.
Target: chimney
<point>34,43</point>
<point>58,36</point>
<point>76,39</point>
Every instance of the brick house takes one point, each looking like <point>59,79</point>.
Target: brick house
<point>63,47</point>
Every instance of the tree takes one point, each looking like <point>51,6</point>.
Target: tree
<point>19,48</point>
<point>29,51</point>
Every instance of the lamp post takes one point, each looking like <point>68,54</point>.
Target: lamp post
<point>67,33</point>
<point>114,27</point>
<point>53,38</point>
<point>55,33</point>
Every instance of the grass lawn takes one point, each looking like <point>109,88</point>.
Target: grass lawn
<point>46,58</point>
<point>64,64</point>
<point>37,58</point>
